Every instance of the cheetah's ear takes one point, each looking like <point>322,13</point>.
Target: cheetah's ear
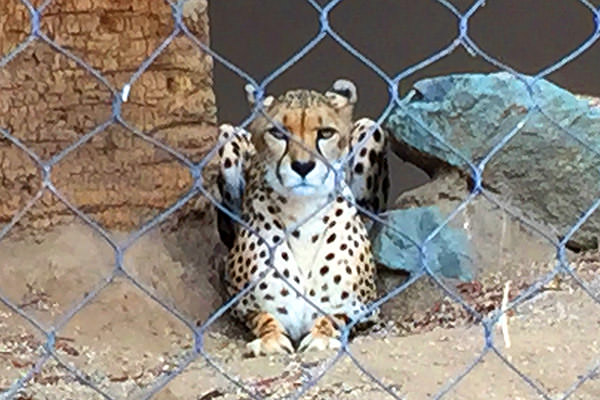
<point>267,100</point>
<point>342,94</point>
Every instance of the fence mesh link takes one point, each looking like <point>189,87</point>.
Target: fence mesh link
<point>120,96</point>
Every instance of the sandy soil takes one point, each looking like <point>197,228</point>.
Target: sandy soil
<point>126,343</point>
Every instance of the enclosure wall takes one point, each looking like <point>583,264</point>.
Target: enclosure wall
<point>49,102</point>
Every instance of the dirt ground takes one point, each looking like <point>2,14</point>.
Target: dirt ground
<point>125,343</point>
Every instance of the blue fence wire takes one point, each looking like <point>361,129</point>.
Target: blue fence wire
<point>119,95</point>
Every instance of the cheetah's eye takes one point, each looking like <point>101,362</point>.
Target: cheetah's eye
<point>325,133</point>
<point>276,133</point>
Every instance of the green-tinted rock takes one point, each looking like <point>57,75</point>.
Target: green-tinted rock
<point>550,170</point>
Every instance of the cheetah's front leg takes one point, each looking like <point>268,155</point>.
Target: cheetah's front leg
<point>271,337</point>
<point>369,175</point>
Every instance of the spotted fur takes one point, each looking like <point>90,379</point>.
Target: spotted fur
<point>295,181</point>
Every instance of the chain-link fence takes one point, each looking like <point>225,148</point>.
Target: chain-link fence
<point>120,96</point>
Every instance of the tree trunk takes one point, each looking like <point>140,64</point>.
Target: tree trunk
<point>48,102</point>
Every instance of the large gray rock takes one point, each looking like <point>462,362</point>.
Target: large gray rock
<point>551,176</point>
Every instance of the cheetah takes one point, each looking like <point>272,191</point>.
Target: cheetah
<point>297,178</point>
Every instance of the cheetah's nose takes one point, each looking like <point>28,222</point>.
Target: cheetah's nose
<point>302,168</point>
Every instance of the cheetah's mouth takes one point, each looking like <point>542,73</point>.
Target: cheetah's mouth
<point>302,184</point>
<point>318,183</point>
<point>302,188</point>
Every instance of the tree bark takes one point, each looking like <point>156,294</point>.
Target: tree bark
<point>48,102</point>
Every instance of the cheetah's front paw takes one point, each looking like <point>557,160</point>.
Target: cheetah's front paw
<point>271,344</point>
<point>318,343</point>
<point>271,336</point>
<point>322,336</point>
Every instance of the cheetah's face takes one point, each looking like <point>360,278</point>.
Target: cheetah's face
<point>302,158</point>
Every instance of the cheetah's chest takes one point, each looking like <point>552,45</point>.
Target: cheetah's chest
<point>307,243</point>
<point>312,222</point>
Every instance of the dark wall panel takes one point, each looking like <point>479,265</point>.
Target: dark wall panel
<point>260,35</point>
